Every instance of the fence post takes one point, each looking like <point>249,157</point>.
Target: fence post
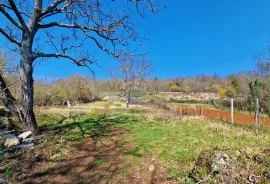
<point>257,116</point>
<point>232,120</point>
<point>68,104</point>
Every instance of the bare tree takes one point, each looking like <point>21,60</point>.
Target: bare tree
<point>65,29</point>
<point>132,72</point>
<point>263,71</point>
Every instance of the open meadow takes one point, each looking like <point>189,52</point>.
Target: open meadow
<point>103,142</point>
<point>134,92</point>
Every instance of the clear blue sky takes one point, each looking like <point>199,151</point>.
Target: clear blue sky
<point>193,37</point>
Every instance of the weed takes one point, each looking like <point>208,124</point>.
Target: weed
<point>50,168</point>
<point>7,172</point>
<point>124,173</point>
<point>134,152</point>
<point>98,175</point>
<point>99,162</point>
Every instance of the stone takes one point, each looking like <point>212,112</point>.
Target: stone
<point>222,161</point>
<point>248,152</point>
<point>151,168</point>
<point>64,151</point>
<point>211,163</point>
<point>2,181</point>
<point>238,153</point>
<point>25,135</point>
<point>23,146</point>
<point>30,140</point>
<point>10,140</point>
<point>53,157</point>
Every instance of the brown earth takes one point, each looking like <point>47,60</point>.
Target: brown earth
<point>100,159</point>
<point>220,115</point>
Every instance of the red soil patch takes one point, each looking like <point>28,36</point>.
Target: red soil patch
<point>221,115</point>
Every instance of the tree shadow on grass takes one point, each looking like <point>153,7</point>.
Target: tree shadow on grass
<point>98,157</point>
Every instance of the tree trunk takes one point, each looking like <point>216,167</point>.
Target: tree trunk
<point>10,103</point>
<point>128,99</point>
<point>27,87</point>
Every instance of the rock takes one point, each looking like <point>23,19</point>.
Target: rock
<point>248,152</point>
<point>30,140</point>
<point>53,157</point>
<point>222,161</point>
<point>238,153</point>
<point>25,135</point>
<point>24,146</point>
<point>2,181</point>
<point>151,168</point>
<point>10,140</point>
<point>211,163</point>
<point>64,151</point>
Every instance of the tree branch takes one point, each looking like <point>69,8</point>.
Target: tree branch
<point>51,7</point>
<point>10,38</point>
<point>11,19</point>
<point>83,28</point>
<point>18,13</point>
<point>75,26</point>
<point>78,62</point>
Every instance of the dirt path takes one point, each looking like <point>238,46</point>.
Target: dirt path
<point>106,159</point>
<point>218,114</point>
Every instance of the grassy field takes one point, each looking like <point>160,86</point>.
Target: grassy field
<point>174,143</point>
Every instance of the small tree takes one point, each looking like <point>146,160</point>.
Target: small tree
<point>132,72</point>
<point>263,72</point>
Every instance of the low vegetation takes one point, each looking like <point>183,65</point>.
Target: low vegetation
<point>142,135</point>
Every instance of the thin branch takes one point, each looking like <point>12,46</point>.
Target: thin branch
<point>10,38</point>
<point>57,11</point>
<point>17,12</point>
<point>75,26</point>
<point>51,7</point>
<point>10,18</point>
<point>80,62</point>
<point>8,7</point>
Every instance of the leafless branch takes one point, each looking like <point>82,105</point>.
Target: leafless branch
<point>18,14</point>
<point>52,7</point>
<point>9,37</point>
<point>10,18</point>
<point>79,62</point>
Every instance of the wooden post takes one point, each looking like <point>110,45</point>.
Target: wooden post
<point>68,104</point>
<point>232,120</point>
<point>257,116</point>
<point>195,113</point>
<point>180,111</point>
<point>201,113</point>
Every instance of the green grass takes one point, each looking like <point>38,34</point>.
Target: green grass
<point>179,144</point>
<point>99,162</point>
<point>174,144</point>
<point>51,167</point>
<point>124,173</point>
